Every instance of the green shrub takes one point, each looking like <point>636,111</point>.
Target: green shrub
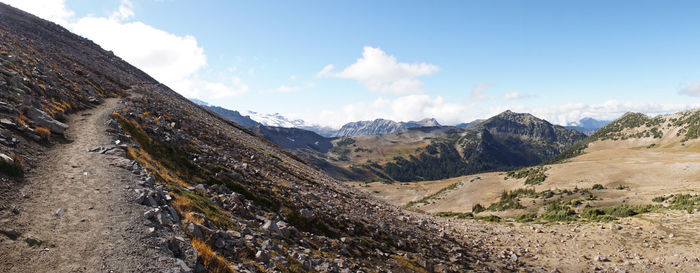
<point>460,215</point>
<point>489,218</point>
<point>605,214</point>
<point>476,208</point>
<point>597,187</point>
<point>533,176</point>
<point>660,199</point>
<point>528,217</point>
<point>559,213</point>
<point>509,200</point>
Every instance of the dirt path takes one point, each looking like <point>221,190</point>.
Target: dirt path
<point>78,214</point>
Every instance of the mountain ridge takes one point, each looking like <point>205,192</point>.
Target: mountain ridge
<point>381,126</point>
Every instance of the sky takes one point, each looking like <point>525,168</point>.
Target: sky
<point>332,62</point>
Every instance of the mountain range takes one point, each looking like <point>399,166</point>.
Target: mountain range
<point>503,142</point>
<point>381,126</point>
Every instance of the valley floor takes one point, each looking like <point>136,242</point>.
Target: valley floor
<point>75,212</point>
<point>630,173</point>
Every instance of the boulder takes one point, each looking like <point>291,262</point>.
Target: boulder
<point>6,159</point>
<point>271,227</point>
<point>42,119</point>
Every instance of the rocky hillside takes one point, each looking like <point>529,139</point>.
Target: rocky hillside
<point>639,130</point>
<point>381,126</point>
<point>246,204</point>
<point>504,142</point>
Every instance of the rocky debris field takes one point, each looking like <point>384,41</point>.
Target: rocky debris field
<point>249,206</point>
<point>655,242</point>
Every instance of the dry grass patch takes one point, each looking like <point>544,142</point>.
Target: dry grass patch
<point>211,260</point>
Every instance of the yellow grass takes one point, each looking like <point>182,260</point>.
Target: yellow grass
<point>209,258</point>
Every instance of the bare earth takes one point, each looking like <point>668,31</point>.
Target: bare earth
<point>101,229</point>
<point>664,241</point>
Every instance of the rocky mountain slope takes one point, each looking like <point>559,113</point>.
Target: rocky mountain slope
<point>234,116</point>
<point>294,139</point>
<point>506,141</point>
<point>381,126</point>
<point>245,204</point>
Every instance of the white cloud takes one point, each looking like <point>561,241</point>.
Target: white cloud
<point>410,107</point>
<point>176,61</point>
<point>380,72</point>
<point>572,112</point>
<point>515,96</point>
<point>692,90</point>
<point>52,10</point>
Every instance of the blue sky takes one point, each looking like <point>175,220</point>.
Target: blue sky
<point>452,60</point>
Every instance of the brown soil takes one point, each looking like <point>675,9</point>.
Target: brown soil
<point>101,229</point>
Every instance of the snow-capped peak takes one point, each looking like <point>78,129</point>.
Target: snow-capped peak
<point>276,120</point>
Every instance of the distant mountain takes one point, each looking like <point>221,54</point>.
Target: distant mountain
<point>504,142</point>
<point>588,126</point>
<point>531,140</point>
<point>275,120</point>
<point>381,126</point>
<point>293,138</point>
<point>467,124</point>
<point>232,115</point>
<point>278,120</point>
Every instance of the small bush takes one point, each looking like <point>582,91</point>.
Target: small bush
<point>660,199</point>
<point>606,214</point>
<point>558,212</point>
<point>598,187</point>
<point>622,187</point>
<point>461,215</point>
<point>533,176</point>
<point>489,218</point>
<point>476,208</point>
<point>509,200</point>
<point>44,133</point>
<point>528,217</point>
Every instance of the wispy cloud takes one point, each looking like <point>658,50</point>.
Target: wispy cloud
<point>692,90</point>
